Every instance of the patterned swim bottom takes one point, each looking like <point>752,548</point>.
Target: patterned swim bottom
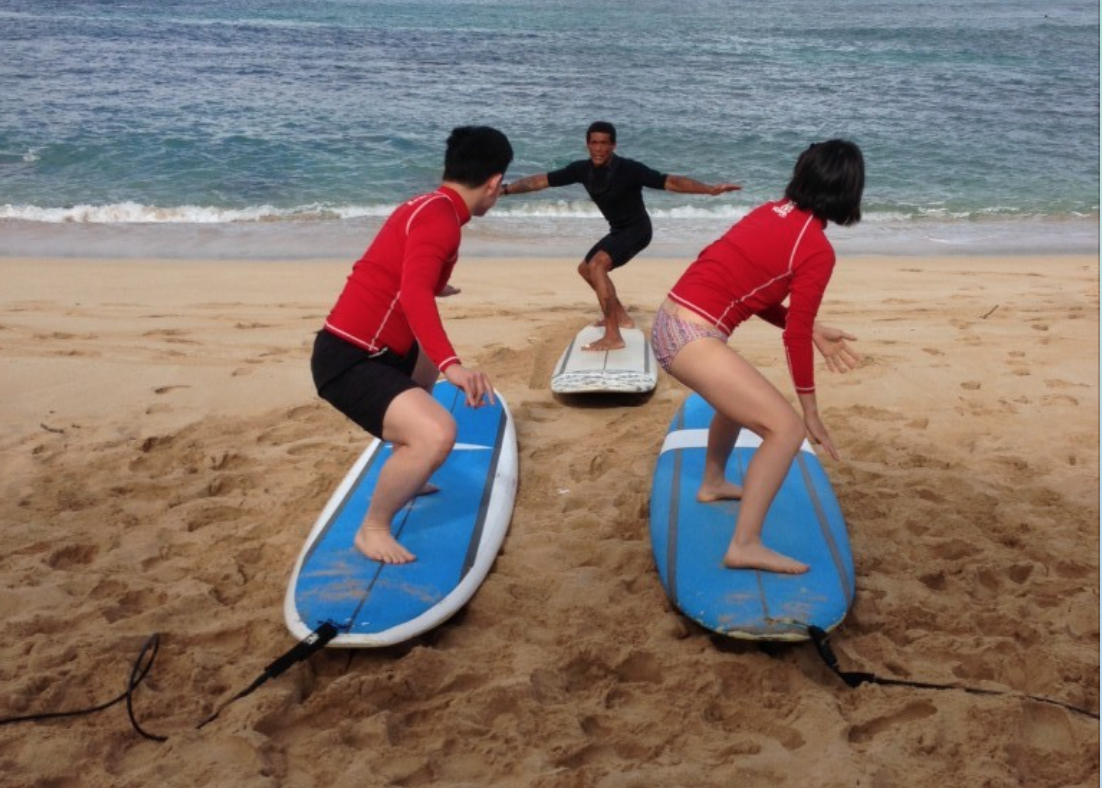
<point>670,334</point>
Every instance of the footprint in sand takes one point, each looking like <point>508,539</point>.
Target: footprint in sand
<point>912,712</point>
<point>72,555</point>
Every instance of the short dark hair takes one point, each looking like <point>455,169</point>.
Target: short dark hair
<point>475,154</point>
<point>601,127</point>
<point>828,180</point>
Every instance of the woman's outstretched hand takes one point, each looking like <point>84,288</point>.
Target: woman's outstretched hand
<point>832,343</point>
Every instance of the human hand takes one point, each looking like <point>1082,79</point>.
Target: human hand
<point>476,385</point>
<point>831,342</point>
<point>723,188</point>
<point>817,431</point>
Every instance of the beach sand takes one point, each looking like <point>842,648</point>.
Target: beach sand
<point>163,456</point>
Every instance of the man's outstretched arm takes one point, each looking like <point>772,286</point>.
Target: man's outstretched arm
<point>679,184</point>
<point>533,183</point>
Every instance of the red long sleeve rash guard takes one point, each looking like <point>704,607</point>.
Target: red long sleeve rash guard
<point>777,251</point>
<point>389,300</point>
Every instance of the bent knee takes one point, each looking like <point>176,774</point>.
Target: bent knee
<point>434,439</point>
<point>789,432</point>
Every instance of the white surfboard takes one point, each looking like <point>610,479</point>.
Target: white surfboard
<point>631,369</point>
<point>455,533</point>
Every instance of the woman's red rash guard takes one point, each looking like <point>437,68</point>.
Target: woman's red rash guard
<point>777,251</point>
<point>389,300</point>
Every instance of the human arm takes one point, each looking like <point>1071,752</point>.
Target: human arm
<point>831,342</point>
<point>808,284</point>
<point>429,254</point>
<point>532,183</point>
<point>679,184</point>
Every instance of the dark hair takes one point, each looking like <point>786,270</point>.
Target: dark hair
<point>828,180</point>
<point>601,127</point>
<point>475,154</point>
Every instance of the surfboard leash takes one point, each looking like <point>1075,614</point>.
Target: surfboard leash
<point>312,643</point>
<point>854,679</point>
<point>138,673</point>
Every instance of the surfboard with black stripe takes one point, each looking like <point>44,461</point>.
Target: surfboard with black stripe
<point>455,533</point>
<point>689,540</point>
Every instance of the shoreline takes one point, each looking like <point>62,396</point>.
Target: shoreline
<point>497,235</point>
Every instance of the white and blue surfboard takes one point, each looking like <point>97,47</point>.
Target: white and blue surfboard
<point>689,540</point>
<point>455,533</point>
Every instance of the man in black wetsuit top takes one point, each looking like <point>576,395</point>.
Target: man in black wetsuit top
<point>616,185</point>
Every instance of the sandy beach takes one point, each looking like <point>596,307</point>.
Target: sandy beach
<point>163,455</point>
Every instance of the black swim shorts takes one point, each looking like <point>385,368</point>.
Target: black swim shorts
<point>359,384</point>
<point>622,245</point>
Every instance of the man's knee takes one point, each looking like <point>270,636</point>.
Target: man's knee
<point>602,260</point>
<point>436,438</point>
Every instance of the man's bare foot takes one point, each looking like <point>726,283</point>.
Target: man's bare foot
<point>758,556</point>
<point>710,493</point>
<point>604,343</point>
<point>378,545</point>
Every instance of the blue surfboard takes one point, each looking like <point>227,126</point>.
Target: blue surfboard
<point>690,538</point>
<point>455,533</point>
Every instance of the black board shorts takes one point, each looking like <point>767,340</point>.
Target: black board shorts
<point>360,384</point>
<point>622,245</point>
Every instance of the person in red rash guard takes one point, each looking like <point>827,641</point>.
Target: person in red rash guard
<point>777,252</point>
<point>383,345</point>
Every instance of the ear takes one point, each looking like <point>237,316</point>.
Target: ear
<point>494,184</point>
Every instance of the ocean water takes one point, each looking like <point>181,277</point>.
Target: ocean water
<point>277,128</point>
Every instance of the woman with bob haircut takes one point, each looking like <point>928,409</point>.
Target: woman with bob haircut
<point>778,251</point>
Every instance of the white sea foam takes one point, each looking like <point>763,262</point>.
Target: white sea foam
<point>137,213</point>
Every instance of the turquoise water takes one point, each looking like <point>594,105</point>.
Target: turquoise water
<point>286,125</point>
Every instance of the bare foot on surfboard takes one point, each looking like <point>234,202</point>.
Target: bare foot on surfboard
<point>378,545</point>
<point>758,556</point>
<point>604,343</point>
<point>710,493</point>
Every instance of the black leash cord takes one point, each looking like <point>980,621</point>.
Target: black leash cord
<point>138,673</point>
<point>313,642</point>
<point>856,679</point>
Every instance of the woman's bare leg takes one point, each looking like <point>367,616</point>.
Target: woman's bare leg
<point>743,396</point>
